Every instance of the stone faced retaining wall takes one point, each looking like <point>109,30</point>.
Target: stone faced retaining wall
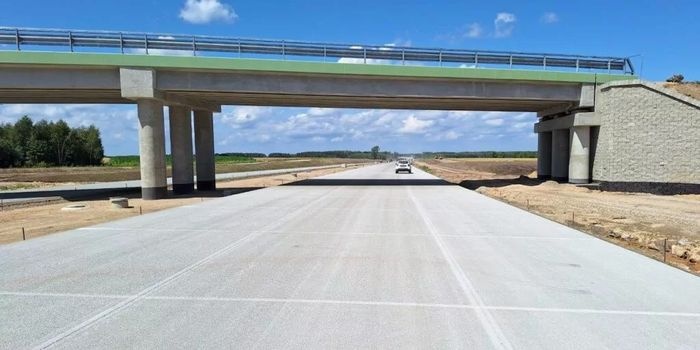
<point>649,139</point>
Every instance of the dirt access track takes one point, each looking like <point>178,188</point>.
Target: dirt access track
<point>637,221</point>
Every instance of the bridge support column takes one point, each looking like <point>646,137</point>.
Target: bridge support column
<point>579,156</point>
<point>204,150</point>
<point>152,149</point>
<point>181,149</point>
<point>544,155</point>
<point>560,154</point>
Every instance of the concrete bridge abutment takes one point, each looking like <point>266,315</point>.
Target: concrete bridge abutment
<point>579,155</point>
<point>181,149</point>
<point>566,142</point>
<point>152,149</point>
<point>560,154</point>
<point>544,155</point>
<point>204,150</point>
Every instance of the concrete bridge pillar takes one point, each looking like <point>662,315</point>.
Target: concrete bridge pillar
<point>579,157</point>
<point>204,150</point>
<point>152,149</point>
<point>544,155</point>
<point>181,149</point>
<point>560,154</point>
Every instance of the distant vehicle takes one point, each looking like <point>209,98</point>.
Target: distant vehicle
<point>403,165</point>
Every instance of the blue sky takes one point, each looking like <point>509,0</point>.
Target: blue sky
<point>665,33</point>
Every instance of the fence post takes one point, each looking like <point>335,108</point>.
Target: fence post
<point>194,46</point>
<point>665,240</point>
<point>17,39</point>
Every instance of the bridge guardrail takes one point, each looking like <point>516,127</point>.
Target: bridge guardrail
<point>130,42</point>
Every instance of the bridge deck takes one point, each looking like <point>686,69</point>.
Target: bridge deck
<point>64,59</point>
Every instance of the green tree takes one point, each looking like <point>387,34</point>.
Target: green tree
<point>59,141</point>
<point>20,136</point>
<point>375,152</point>
<point>676,78</point>
<point>9,156</point>
<point>49,143</point>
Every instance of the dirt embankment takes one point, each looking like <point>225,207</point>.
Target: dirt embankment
<point>641,222</point>
<point>688,89</point>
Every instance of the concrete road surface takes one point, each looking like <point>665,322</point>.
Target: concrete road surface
<point>359,259</point>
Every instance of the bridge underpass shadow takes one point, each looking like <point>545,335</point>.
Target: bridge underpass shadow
<point>32,197</point>
<point>521,180</point>
<point>371,182</point>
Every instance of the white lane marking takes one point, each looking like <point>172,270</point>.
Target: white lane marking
<point>512,237</point>
<point>496,335</point>
<point>132,299</point>
<point>362,303</point>
<point>66,295</point>
<point>595,311</point>
<point>145,229</point>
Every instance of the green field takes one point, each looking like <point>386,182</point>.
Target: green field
<point>133,161</point>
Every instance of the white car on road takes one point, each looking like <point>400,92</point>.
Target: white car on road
<point>403,165</point>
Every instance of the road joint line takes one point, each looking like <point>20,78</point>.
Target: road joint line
<point>357,302</point>
<point>493,330</point>
<point>162,283</point>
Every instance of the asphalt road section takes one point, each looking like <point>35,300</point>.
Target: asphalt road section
<point>360,259</point>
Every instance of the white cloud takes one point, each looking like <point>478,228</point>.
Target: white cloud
<point>550,17</point>
<point>242,115</point>
<point>494,122</point>
<point>474,30</point>
<point>386,47</point>
<point>450,135</point>
<point>206,11</point>
<point>162,52</point>
<point>504,24</point>
<point>315,111</point>
<point>413,125</point>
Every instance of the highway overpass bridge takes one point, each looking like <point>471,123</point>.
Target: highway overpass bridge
<point>157,70</point>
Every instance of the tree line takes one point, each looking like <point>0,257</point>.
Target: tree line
<point>44,143</point>
<point>482,154</point>
<point>372,154</point>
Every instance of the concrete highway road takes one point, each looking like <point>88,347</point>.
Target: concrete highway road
<point>359,259</point>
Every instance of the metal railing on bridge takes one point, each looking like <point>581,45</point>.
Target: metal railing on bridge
<point>145,43</point>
